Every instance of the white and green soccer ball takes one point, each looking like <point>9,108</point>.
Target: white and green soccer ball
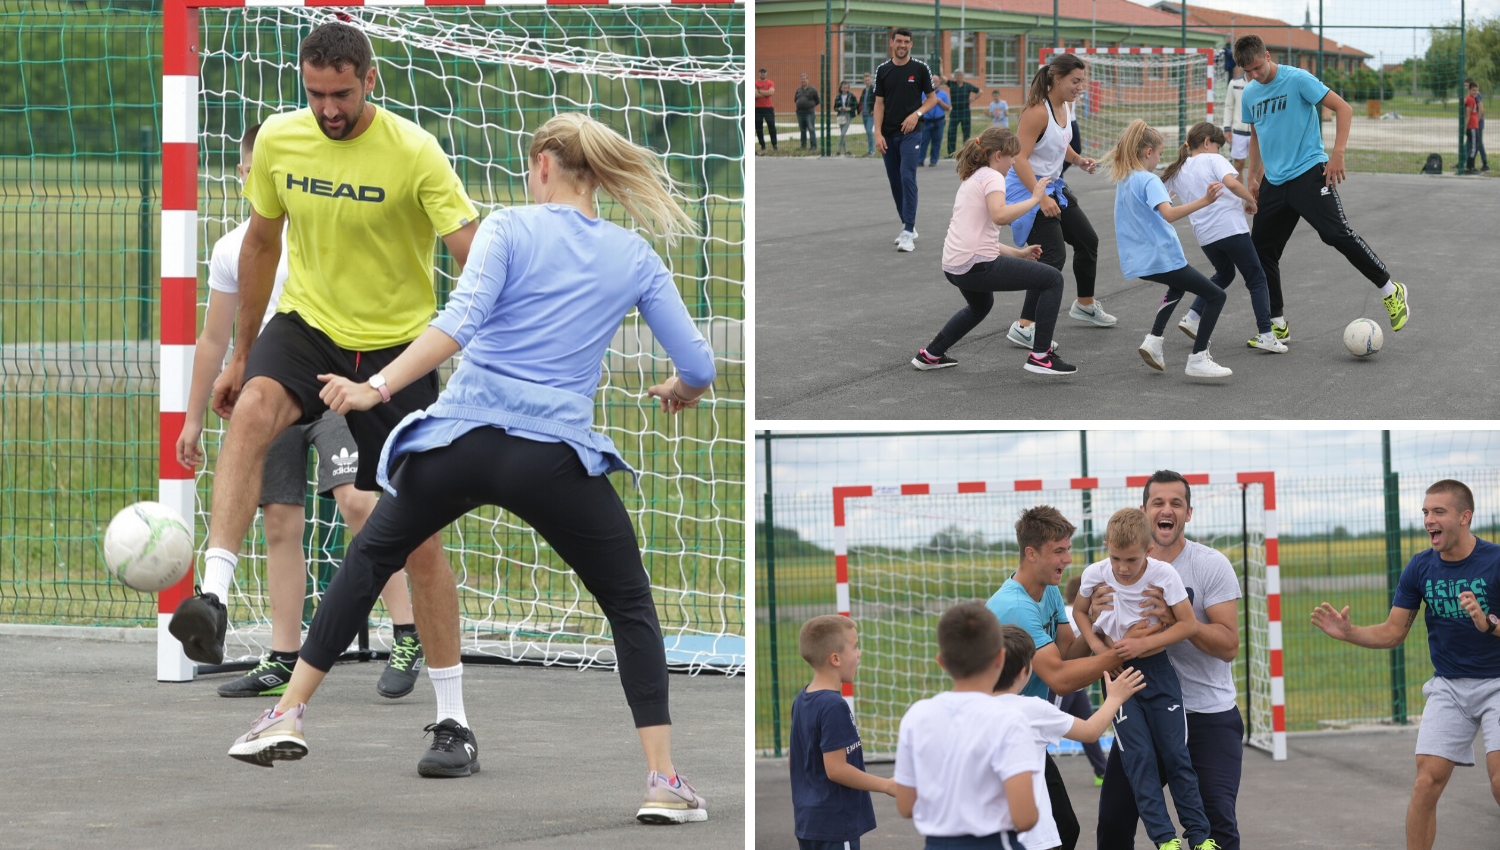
<point>148,547</point>
<point>1362,338</point>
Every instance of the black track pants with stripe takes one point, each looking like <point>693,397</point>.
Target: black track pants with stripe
<point>1306,197</point>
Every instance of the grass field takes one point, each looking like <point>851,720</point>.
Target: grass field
<point>1328,683</point>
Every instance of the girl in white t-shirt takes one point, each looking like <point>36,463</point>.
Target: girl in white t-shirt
<point>1221,229</point>
<point>977,263</point>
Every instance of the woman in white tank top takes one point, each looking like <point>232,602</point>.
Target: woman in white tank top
<point>1045,131</point>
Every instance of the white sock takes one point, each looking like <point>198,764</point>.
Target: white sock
<point>1278,320</point>
<point>448,682</point>
<point>1389,289</point>
<point>1267,337</point>
<point>218,571</point>
<point>1193,316</point>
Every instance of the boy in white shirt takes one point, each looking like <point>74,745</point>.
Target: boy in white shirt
<point>1152,724</point>
<point>965,761</point>
<point>1049,724</point>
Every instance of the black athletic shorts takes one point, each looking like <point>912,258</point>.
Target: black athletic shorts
<point>293,353</point>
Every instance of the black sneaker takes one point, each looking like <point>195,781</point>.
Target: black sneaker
<point>268,679</point>
<point>926,362</point>
<point>199,624</point>
<point>454,752</point>
<point>1049,364</point>
<point>400,675</point>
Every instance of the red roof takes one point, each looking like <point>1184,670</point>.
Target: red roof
<point>1276,34</point>
<point>1104,11</point>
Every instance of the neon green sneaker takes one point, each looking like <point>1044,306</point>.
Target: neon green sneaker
<point>1282,331</point>
<point>1210,844</point>
<point>1098,782</point>
<point>1174,844</point>
<point>268,679</point>
<point>1395,304</point>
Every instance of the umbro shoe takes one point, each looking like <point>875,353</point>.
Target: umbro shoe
<point>268,679</point>
<point>1151,352</point>
<point>666,803</point>
<point>1189,326</point>
<point>1024,337</point>
<point>1267,342</point>
<point>1174,844</point>
<point>272,738</point>
<point>926,362</point>
<point>1201,365</point>
<point>1208,844</point>
<point>1093,313</point>
<point>199,624</point>
<point>1049,364</point>
<point>1282,331</point>
<point>400,674</point>
<point>454,751</point>
<point>1395,305</point>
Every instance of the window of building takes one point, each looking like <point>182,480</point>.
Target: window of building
<point>962,53</point>
<point>1000,60</point>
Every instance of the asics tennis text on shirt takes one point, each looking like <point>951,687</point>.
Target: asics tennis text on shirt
<point>314,186</point>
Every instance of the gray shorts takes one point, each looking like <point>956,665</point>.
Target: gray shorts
<point>1456,710</point>
<point>284,479</point>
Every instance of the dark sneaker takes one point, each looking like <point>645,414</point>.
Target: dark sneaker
<point>199,624</point>
<point>926,362</point>
<point>268,679</point>
<point>272,739</point>
<point>667,804</point>
<point>400,675</point>
<point>1049,364</point>
<point>1282,331</point>
<point>454,752</point>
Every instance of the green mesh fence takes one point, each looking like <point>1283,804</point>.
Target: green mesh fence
<point>1335,545</point>
<point>79,200</point>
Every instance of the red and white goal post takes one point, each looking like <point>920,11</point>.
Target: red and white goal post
<point>904,554</point>
<point>1150,83</point>
<point>482,75</point>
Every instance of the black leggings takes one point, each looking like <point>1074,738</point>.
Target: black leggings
<point>545,485</point>
<point>1072,227</point>
<point>1043,285</point>
<point>1191,280</point>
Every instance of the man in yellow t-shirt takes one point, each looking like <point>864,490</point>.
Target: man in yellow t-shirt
<point>363,194</point>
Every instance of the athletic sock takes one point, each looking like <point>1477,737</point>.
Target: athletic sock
<point>1193,316</point>
<point>448,682</point>
<point>1278,320</point>
<point>218,571</point>
<point>400,630</point>
<point>675,781</point>
<point>287,658</point>
<point>1388,290</point>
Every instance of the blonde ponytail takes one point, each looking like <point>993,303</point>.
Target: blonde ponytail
<point>1126,157</point>
<point>633,175</point>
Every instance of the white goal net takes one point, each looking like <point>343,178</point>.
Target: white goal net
<point>482,79</point>
<point>1169,88</point>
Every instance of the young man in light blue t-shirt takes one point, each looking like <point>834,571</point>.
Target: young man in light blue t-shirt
<point>1030,599</point>
<point>1281,104</point>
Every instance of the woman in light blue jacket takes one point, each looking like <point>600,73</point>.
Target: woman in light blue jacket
<point>544,290</point>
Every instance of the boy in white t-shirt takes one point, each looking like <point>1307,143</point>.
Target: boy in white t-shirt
<point>1152,724</point>
<point>965,761</point>
<point>1221,229</point>
<point>1049,724</point>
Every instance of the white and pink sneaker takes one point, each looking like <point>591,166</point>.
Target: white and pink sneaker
<point>666,804</point>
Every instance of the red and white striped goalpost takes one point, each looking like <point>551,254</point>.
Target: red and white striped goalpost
<point>1210,54</point>
<point>179,252</point>
<point>1273,570</point>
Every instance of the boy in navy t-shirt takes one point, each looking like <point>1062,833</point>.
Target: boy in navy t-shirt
<point>830,788</point>
<point>1458,579</point>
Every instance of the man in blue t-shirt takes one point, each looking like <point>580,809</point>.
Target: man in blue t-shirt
<point>1459,581</point>
<point>1281,104</point>
<point>1030,599</point>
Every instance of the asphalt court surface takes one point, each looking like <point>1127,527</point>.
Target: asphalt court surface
<point>1333,792</point>
<point>97,753</point>
<point>839,312</point>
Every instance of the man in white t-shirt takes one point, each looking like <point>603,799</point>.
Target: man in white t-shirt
<point>1237,130</point>
<point>1215,729</point>
<point>283,489</point>
<point>965,761</point>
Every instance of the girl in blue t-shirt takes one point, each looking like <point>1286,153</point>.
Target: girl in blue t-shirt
<point>1149,247</point>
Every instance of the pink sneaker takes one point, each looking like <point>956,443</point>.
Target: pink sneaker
<point>665,804</point>
<point>272,739</point>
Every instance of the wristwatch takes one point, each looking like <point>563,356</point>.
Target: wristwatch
<point>377,382</point>
<point>1494,624</point>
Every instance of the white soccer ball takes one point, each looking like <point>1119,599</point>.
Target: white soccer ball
<point>148,547</point>
<point>1362,338</point>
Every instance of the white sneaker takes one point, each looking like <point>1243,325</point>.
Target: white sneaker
<point>1189,326</point>
<point>897,240</point>
<point>905,242</point>
<point>1093,313</point>
<point>1201,365</point>
<point>1024,337</point>
<point>1267,342</point>
<point>1151,353</point>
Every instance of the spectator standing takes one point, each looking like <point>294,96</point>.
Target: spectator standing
<point>960,94</point>
<point>807,100</point>
<point>845,106</point>
<point>1471,122</point>
<point>867,109</point>
<point>764,111</point>
<point>999,110</point>
<point>932,127</point>
<point>903,91</point>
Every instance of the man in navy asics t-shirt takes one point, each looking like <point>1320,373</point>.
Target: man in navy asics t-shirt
<point>1458,579</point>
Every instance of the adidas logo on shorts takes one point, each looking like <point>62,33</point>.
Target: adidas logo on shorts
<point>344,462</point>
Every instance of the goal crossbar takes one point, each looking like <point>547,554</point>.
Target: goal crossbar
<point>1209,55</point>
